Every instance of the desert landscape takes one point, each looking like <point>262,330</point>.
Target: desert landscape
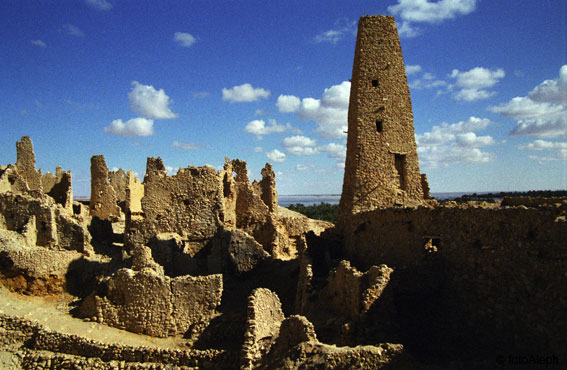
<point>203,269</point>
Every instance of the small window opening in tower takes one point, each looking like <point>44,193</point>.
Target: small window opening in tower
<point>375,83</point>
<point>379,125</point>
<point>400,163</point>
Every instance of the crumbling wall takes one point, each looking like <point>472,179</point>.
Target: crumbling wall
<point>268,188</point>
<point>25,164</point>
<point>351,292</point>
<point>12,181</point>
<point>59,187</point>
<point>119,181</point>
<point>189,203</point>
<point>262,326</point>
<point>490,273</point>
<point>148,302</point>
<point>134,194</point>
<point>381,168</point>
<point>50,226</point>
<point>103,203</point>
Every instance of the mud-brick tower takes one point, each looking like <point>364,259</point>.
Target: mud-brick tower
<point>382,168</point>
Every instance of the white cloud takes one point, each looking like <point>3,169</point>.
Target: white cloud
<point>38,43</point>
<point>185,146</point>
<point>149,102</point>
<point>559,150</point>
<point>133,127</point>
<point>258,127</point>
<point>171,171</point>
<point>298,141</point>
<point>337,151</point>
<point>473,83</point>
<point>299,145</point>
<point>543,113</point>
<point>184,39</point>
<point>342,29</point>
<point>330,112</point>
<point>258,149</point>
<point>244,93</point>
<point>431,12</point>
<point>288,103</point>
<point>73,30</point>
<point>411,69</point>
<point>454,143</point>
<point>276,156</point>
<point>424,11</point>
<point>552,91</point>
<point>301,167</point>
<point>99,4</point>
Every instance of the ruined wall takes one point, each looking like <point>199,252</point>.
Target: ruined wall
<point>382,168</point>
<point>59,187</point>
<point>134,193</point>
<point>352,293</point>
<point>262,327</point>
<point>268,188</point>
<point>188,203</point>
<point>495,274</point>
<point>148,302</point>
<point>48,225</point>
<point>25,163</point>
<point>103,203</point>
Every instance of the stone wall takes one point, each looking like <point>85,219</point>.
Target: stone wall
<point>104,201</point>
<point>37,348</point>
<point>26,164</point>
<point>148,302</point>
<point>381,168</point>
<point>262,327</point>
<point>467,274</point>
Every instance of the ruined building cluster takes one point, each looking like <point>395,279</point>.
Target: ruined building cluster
<point>208,271</point>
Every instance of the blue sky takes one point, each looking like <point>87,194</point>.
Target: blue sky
<point>266,81</point>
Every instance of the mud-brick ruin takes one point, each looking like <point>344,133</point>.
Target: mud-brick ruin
<point>203,269</point>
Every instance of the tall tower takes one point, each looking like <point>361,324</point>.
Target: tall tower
<point>382,168</point>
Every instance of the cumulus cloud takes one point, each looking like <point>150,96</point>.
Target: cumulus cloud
<point>73,30</point>
<point>425,11</point>
<point>558,149</point>
<point>426,81</point>
<point>99,4</point>
<point>184,39</point>
<point>299,145</point>
<point>258,149</point>
<point>543,113</point>
<point>133,127</point>
<point>301,167</point>
<point>337,151</point>
<point>288,103</point>
<point>330,112</point>
<point>149,102</point>
<point>259,127</point>
<point>184,146</point>
<point>342,29</point>
<point>454,143</point>
<point>39,43</point>
<point>473,84</point>
<point>244,93</point>
<point>276,156</point>
<point>411,69</point>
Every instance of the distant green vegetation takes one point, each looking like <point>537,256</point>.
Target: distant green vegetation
<point>493,197</point>
<point>323,211</point>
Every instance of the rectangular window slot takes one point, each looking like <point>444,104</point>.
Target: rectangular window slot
<point>379,125</point>
<point>400,164</point>
<point>375,83</point>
